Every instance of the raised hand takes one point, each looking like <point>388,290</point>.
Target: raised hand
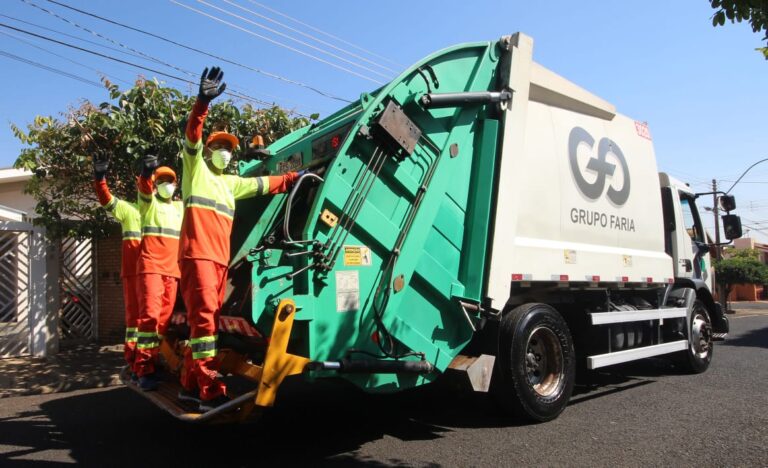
<point>100,168</point>
<point>148,165</point>
<point>211,86</point>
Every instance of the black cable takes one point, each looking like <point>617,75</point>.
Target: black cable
<point>63,57</point>
<point>134,51</point>
<point>70,35</point>
<point>152,70</point>
<point>217,57</point>
<point>50,69</point>
<point>146,56</point>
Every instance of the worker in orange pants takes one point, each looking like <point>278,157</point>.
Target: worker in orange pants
<point>158,264</point>
<point>209,206</point>
<point>127,214</point>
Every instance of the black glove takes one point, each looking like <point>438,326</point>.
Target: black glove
<point>211,86</point>
<point>100,168</point>
<point>148,165</point>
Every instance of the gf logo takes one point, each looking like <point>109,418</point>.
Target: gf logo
<point>598,165</point>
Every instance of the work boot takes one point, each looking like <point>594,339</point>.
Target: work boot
<point>208,405</point>
<point>148,382</point>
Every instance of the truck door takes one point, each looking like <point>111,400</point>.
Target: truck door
<point>689,244</point>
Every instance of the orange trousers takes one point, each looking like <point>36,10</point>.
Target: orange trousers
<point>131,300</point>
<point>156,301</point>
<point>203,283</point>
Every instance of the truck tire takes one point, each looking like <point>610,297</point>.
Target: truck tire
<point>536,366</point>
<point>697,357</point>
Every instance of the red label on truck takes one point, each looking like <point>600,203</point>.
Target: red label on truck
<point>642,130</point>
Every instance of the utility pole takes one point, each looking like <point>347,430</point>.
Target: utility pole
<point>716,212</point>
<point>718,252</point>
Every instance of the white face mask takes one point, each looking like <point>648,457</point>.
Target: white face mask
<point>221,158</point>
<point>166,189</point>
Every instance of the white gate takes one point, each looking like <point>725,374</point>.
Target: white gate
<point>15,291</point>
<point>77,314</point>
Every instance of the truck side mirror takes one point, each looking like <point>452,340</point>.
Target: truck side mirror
<point>731,226</point>
<point>727,202</point>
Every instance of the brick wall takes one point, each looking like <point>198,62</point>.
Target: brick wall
<point>111,309</point>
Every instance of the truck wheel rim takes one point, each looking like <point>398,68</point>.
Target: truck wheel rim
<point>701,336</point>
<point>544,362</point>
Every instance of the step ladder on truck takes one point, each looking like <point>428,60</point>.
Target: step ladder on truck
<point>479,214</point>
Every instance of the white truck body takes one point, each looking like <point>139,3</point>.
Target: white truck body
<point>578,197</point>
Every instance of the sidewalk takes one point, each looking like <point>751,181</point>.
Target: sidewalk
<point>748,307</point>
<point>73,368</point>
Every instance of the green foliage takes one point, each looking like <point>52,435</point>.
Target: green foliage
<point>742,266</point>
<point>754,11</point>
<point>146,119</point>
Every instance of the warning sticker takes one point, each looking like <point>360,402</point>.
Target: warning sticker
<point>643,130</point>
<point>347,291</point>
<point>356,255</point>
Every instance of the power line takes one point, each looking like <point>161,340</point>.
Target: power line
<point>278,43</point>
<point>208,54</point>
<point>62,57</point>
<point>71,36</point>
<point>300,41</point>
<point>230,93</point>
<point>298,31</point>
<point>324,33</point>
<point>747,181</point>
<point>135,52</point>
<point>117,43</point>
<point>50,69</point>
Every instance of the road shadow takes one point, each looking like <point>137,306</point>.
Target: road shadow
<point>321,425</point>
<point>591,384</point>
<point>756,338</point>
<point>324,423</point>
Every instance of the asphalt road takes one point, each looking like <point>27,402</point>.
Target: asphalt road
<point>639,414</point>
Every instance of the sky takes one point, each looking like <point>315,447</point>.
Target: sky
<point>702,90</point>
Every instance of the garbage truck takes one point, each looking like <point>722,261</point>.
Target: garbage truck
<point>479,215</point>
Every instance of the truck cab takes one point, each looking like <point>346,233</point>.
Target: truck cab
<point>684,235</point>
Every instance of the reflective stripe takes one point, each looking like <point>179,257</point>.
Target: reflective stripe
<point>147,340</point>
<point>145,197</point>
<point>191,149</point>
<point>130,334</point>
<point>111,204</point>
<point>260,183</point>
<point>203,347</point>
<point>131,235</point>
<point>210,203</point>
<point>160,231</point>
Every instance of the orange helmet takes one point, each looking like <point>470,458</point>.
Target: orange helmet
<point>165,171</point>
<point>223,136</point>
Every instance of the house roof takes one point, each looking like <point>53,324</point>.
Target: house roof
<point>10,174</point>
<point>11,214</point>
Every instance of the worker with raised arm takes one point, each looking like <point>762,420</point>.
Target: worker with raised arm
<point>209,201</point>
<point>127,214</point>
<point>158,264</point>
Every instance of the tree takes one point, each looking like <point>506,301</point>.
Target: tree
<point>754,11</point>
<point>743,266</point>
<point>149,118</point>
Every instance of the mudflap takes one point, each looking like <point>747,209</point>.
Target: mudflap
<point>258,383</point>
<point>720,325</point>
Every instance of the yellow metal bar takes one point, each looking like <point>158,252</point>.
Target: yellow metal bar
<point>278,363</point>
<point>169,353</point>
<point>232,362</point>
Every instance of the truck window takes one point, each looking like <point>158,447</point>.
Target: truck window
<point>691,218</point>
